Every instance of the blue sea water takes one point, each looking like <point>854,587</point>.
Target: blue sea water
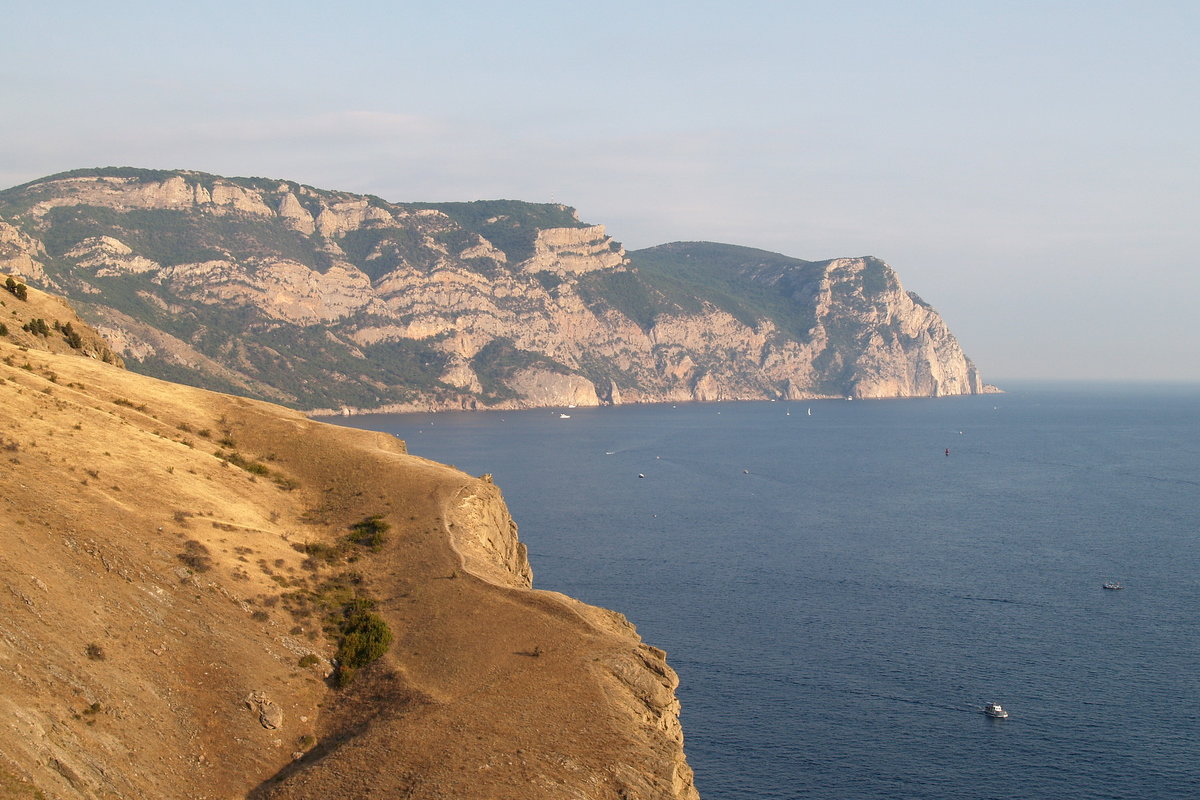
<point>840,597</point>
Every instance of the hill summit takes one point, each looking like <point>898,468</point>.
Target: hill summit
<point>331,301</point>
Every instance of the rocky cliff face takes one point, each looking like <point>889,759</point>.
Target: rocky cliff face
<point>328,300</point>
<point>173,574</point>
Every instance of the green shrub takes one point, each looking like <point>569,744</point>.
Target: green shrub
<point>319,551</point>
<point>371,532</point>
<point>238,460</point>
<point>365,638</point>
<point>19,290</point>
<point>72,336</point>
<point>37,326</point>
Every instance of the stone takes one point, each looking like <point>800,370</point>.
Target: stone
<point>270,715</point>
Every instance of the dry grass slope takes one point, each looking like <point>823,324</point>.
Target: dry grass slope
<point>168,590</point>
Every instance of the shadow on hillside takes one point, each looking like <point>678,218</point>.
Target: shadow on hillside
<point>376,694</point>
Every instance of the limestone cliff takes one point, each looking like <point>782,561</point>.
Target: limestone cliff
<point>332,301</point>
<point>175,564</point>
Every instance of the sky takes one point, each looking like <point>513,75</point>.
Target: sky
<point>1031,169</point>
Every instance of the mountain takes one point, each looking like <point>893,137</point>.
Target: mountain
<point>181,570</point>
<point>326,300</point>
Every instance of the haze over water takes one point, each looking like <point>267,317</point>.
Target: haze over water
<point>840,597</point>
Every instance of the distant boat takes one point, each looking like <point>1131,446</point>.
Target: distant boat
<point>995,710</point>
<point>564,416</point>
<point>810,412</point>
<point>641,474</point>
<point>1114,585</point>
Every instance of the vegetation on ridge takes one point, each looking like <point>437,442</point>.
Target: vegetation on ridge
<point>510,225</point>
<point>749,284</point>
<point>241,295</point>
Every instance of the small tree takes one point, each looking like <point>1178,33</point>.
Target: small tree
<point>37,326</point>
<point>19,290</point>
<point>41,328</point>
<point>71,335</point>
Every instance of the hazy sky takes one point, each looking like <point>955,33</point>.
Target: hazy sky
<point>1032,169</point>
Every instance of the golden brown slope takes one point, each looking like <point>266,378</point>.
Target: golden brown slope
<point>22,305</point>
<point>147,579</point>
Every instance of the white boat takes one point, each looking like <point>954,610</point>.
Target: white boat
<point>1114,586</point>
<point>995,710</point>
<point>564,416</point>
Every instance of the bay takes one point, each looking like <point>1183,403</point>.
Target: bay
<point>840,596</point>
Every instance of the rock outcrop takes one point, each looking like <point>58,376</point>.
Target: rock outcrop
<point>573,251</point>
<point>329,301</point>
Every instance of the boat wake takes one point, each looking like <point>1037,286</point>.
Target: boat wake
<point>989,599</point>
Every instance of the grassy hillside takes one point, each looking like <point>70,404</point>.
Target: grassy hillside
<point>188,578</point>
<point>749,284</point>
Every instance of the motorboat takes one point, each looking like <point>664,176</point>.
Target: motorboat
<point>1113,585</point>
<point>995,710</point>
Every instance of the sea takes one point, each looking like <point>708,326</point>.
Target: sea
<point>842,585</point>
